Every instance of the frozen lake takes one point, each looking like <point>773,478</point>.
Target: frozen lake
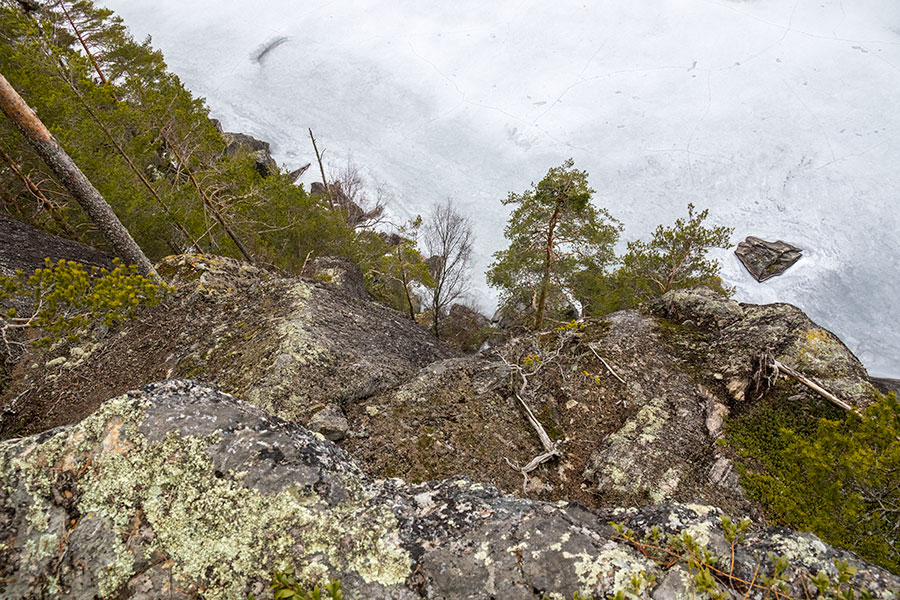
<point>781,116</point>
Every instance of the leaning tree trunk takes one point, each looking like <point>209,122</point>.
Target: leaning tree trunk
<point>68,173</point>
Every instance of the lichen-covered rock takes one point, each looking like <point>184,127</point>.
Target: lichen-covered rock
<point>666,448</point>
<point>651,439</point>
<point>342,272</point>
<point>726,339</point>
<point>330,422</point>
<point>648,434</point>
<point>288,345</point>
<point>180,491</point>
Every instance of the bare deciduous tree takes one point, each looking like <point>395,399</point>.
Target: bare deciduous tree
<point>363,205</point>
<point>448,243</point>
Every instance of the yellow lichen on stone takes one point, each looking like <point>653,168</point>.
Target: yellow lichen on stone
<point>225,535</point>
<point>213,530</point>
<point>608,570</point>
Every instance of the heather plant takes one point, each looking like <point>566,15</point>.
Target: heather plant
<point>839,478</point>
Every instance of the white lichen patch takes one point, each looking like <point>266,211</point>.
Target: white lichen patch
<point>800,549</point>
<point>609,570</point>
<point>667,486</point>
<point>701,532</point>
<point>213,531</point>
<point>557,547</point>
<point>702,510</point>
<point>45,547</point>
<point>297,342</point>
<point>482,554</point>
<point>112,575</point>
<point>643,427</point>
<point>68,450</point>
<point>223,535</point>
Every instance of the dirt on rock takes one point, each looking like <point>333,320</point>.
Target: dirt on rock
<point>291,345</point>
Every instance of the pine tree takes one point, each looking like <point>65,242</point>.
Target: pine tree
<point>67,172</point>
<point>555,233</point>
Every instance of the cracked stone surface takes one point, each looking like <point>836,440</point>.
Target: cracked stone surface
<point>180,491</point>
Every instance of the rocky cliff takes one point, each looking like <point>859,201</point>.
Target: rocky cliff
<point>179,490</point>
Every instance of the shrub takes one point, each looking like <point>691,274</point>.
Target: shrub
<point>65,297</point>
<point>839,478</point>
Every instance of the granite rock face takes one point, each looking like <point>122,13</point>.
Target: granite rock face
<point>181,491</point>
<point>641,428</point>
<point>238,143</point>
<point>765,260</point>
<point>25,247</point>
<point>290,345</point>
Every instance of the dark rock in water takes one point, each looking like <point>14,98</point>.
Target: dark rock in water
<point>767,259</point>
<point>236,143</point>
<point>179,491</point>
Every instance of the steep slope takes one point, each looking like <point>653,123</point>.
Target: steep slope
<point>291,345</point>
<point>179,491</point>
<point>637,402</point>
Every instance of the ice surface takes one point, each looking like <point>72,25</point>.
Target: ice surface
<point>781,116</point>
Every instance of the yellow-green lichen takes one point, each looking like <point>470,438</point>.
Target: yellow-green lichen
<point>112,575</point>
<point>222,534</point>
<point>608,570</point>
<point>44,547</point>
<point>215,532</point>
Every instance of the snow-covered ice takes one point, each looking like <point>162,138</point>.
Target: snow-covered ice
<point>781,116</point>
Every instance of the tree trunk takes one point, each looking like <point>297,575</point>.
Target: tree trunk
<point>68,173</point>
<point>134,168</point>
<point>545,281</point>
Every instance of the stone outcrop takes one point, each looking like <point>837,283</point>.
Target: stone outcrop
<point>725,339</point>
<point>647,434</point>
<point>179,491</point>
<point>25,247</point>
<point>765,260</point>
<point>342,272</point>
<point>290,345</point>
<point>241,143</point>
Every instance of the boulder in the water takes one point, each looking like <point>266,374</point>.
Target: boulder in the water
<point>767,259</point>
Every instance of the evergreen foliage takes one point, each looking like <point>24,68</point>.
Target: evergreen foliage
<point>555,235</point>
<point>839,478</point>
<point>146,144</point>
<point>65,297</point>
<point>674,257</point>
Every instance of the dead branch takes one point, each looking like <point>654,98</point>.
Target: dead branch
<point>321,168</point>
<point>551,448</point>
<point>606,364</point>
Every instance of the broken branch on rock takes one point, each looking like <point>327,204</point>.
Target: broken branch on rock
<point>606,364</point>
<point>551,448</point>
<point>770,368</point>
